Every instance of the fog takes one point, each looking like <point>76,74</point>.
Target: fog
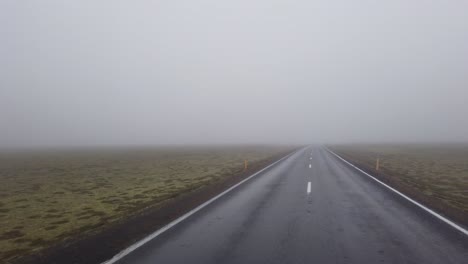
<point>83,73</point>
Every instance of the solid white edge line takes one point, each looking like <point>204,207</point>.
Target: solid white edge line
<point>158,232</point>
<point>444,219</point>
<point>308,187</point>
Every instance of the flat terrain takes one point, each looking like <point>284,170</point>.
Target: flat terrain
<point>435,174</point>
<point>47,197</point>
<point>305,210</point>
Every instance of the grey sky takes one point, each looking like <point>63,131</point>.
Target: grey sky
<point>244,71</point>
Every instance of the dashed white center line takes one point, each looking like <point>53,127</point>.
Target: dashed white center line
<point>308,187</point>
<point>310,166</point>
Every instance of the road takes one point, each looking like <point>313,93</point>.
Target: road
<point>308,208</point>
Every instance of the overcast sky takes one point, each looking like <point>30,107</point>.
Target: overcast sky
<point>247,71</point>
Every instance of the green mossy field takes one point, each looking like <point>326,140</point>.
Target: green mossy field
<point>50,196</point>
<point>436,172</point>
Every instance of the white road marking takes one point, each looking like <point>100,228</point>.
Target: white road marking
<point>308,187</point>
<point>310,166</point>
<point>310,158</point>
<point>158,232</point>
<point>444,219</point>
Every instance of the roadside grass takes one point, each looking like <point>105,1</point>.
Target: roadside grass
<point>48,197</point>
<point>438,172</point>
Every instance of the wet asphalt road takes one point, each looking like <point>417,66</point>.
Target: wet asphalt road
<point>346,218</point>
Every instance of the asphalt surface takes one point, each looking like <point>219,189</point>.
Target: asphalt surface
<point>346,218</point>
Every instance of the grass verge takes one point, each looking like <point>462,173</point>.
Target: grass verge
<point>50,199</point>
<point>436,175</point>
